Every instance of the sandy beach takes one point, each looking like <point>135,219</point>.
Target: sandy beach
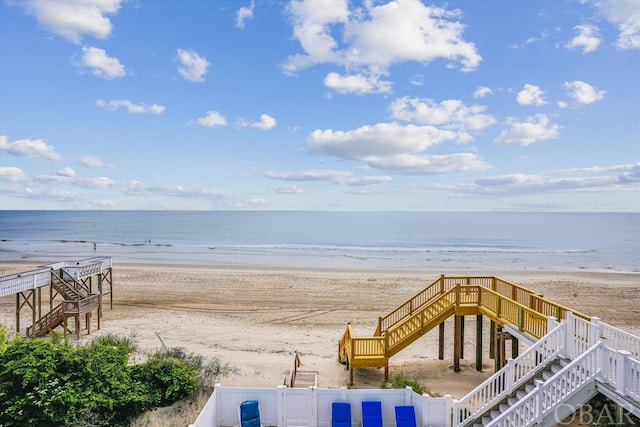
<point>254,319</point>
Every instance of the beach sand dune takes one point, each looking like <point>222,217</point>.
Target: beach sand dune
<point>254,319</point>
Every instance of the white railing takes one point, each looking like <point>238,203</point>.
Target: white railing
<point>550,394</point>
<point>514,374</point>
<point>581,335</point>
<point>621,370</point>
<point>618,339</point>
<point>20,282</point>
<point>311,407</point>
<point>37,278</point>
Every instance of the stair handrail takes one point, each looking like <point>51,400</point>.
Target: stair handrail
<point>618,339</point>
<point>46,319</point>
<point>344,345</point>
<point>78,287</point>
<point>406,309</point>
<point>550,394</point>
<point>514,374</point>
<point>397,335</point>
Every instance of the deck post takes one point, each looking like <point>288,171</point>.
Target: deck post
<point>515,347</point>
<point>492,339</point>
<point>461,337</point>
<point>441,340</point>
<point>456,343</point>
<point>479,342</point>
<point>498,344</point>
<point>33,314</point>
<point>18,313</point>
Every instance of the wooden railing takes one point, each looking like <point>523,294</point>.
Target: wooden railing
<point>48,321</point>
<point>403,311</point>
<point>499,299</point>
<point>405,333</point>
<point>81,306</point>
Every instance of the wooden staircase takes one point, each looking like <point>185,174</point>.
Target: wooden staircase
<point>502,301</point>
<point>77,299</point>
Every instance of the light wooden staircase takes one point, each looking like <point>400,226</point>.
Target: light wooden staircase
<point>503,302</point>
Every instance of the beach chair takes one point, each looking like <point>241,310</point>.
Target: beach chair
<point>340,414</point>
<point>405,416</point>
<point>371,413</point>
<point>249,414</point>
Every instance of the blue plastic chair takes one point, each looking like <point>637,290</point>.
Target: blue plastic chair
<point>340,414</point>
<point>371,414</point>
<point>249,414</point>
<point>405,416</point>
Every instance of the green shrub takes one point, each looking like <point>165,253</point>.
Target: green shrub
<point>50,382</point>
<point>167,378</point>
<point>399,381</point>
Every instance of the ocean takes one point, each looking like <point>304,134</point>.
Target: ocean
<point>443,241</point>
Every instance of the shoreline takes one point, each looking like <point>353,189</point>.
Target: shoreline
<point>34,262</point>
<point>255,317</point>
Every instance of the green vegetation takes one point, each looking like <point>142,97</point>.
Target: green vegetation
<point>51,382</point>
<point>400,381</point>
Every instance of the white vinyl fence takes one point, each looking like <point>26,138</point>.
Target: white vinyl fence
<point>311,406</point>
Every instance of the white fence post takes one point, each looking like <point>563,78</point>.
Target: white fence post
<point>539,400</point>
<point>448,400</point>
<point>509,375</point>
<point>280,406</point>
<point>622,356</point>
<point>216,405</point>
<point>314,406</point>
<point>598,330</point>
<point>569,336</point>
<point>456,413</point>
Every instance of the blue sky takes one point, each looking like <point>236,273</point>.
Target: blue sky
<point>320,105</point>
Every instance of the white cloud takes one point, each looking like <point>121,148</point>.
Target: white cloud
<point>286,189</point>
<point>67,172</point>
<point>531,95</point>
<point>430,164</point>
<point>310,175</point>
<point>11,174</point>
<point>91,162</point>
<point>192,67</point>
<point>266,122</point>
<point>365,180</point>
<point>357,83</point>
<point>383,139</point>
<point>450,113</point>
<point>113,105</point>
<point>482,91</point>
<point>29,148</point>
<point>243,14</point>
<point>212,119</point>
<point>536,128</point>
<point>102,65</point>
<point>331,175</point>
<point>626,15</point>
<point>374,38</point>
<point>583,93</point>
<point>603,179</point>
<point>588,38</point>
<point>393,147</point>
<point>73,19</point>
